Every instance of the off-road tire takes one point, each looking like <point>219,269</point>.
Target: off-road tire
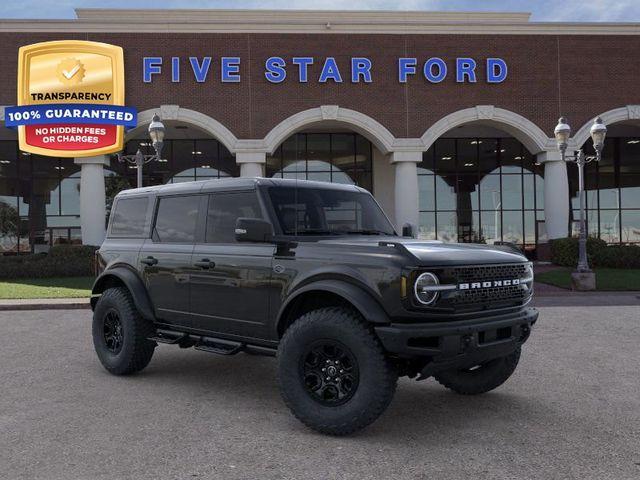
<point>136,350</point>
<point>377,377</point>
<point>480,380</point>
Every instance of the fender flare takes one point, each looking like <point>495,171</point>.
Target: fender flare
<point>133,283</point>
<point>363,301</point>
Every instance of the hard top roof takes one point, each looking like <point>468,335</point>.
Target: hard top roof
<point>233,183</point>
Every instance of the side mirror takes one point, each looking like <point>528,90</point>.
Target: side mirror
<point>407,230</point>
<point>253,230</point>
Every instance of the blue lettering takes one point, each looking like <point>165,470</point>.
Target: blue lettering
<point>175,69</point>
<point>275,69</point>
<point>496,70</point>
<point>330,71</point>
<point>200,71</point>
<point>230,69</point>
<point>360,67</point>
<point>465,67</point>
<point>151,66</point>
<point>428,70</point>
<point>406,66</point>
<point>303,64</point>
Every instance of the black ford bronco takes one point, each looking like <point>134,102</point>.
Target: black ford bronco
<point>314,274</point>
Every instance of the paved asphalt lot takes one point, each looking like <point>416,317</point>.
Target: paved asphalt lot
<point>572,410</point>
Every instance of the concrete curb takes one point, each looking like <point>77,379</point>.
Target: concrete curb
<point>44,304</point>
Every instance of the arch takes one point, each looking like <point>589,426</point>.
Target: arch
<point>197,119</point>
<point>373,130</point>
<point>629,112</point>
<point>527,132</point>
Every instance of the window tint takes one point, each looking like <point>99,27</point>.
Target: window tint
<point>224,210</point>
<point>129,217</point>
<point>176,219</point>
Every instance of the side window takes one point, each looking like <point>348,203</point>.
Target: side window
<point>224,210</point>
<point>176,219</point>
<point>129,217</point>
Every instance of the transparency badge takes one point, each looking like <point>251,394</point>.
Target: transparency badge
<point>70,99</point>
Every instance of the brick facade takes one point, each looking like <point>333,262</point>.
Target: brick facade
<point>575,75</point>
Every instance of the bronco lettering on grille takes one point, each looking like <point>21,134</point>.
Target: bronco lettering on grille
<point>488,284</point>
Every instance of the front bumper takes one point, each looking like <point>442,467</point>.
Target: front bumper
<point>458,344</point>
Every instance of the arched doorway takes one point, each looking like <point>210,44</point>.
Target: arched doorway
<point>189,153</point>
<point>333,144</point>
<point>479,184</point>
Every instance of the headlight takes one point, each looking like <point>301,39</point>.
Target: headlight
<point>426,288</point>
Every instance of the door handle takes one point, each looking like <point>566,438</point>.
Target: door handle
<point>205,263</point>
<point>149,260</point>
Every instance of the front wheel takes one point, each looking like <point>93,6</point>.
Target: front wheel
<point>333,373</point>
<point>480,378</point>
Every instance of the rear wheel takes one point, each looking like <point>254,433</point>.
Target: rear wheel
<point>480,378</point>
<point>120,334</point>
<point>333,373</point>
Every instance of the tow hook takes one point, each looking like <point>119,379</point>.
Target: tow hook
<point>466,342</point>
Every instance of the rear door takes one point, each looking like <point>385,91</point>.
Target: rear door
<point>165,258</point>
<point>230,281</point>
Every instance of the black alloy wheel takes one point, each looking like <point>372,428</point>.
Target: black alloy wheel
<point>112,331</point>
<point>330,372</point>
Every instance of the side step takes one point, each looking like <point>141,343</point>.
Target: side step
<point>219,346</point>
<point>169,337</point>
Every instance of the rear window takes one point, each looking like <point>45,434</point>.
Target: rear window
<point>129,216</point>
<point>176,219</point>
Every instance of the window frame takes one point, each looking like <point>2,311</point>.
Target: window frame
<point>197,232</point>
<point>145,228</point>
<point>204,214</point>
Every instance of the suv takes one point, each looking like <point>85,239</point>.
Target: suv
<point>314,274</point>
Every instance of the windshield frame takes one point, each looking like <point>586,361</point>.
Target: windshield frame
<point>279,231</point>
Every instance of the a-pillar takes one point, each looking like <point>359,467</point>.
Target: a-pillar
<point>251,163</point>
<point>406,188</point>
<point>556,194</point>
<point>93,210</point>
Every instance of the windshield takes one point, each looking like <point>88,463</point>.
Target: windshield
<point>323,211</point>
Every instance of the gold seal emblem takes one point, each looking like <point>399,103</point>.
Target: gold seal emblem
<point>70,71</point>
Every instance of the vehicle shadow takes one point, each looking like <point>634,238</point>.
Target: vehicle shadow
<point>425,410</point>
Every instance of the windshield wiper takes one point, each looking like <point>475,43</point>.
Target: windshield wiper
<point>366,232</point>
<point>312,231</point>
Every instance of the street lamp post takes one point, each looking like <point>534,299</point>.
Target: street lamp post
<point>562,133</point>
<point>156,133</point>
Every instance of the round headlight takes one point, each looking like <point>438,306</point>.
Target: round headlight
<point>423,288</point>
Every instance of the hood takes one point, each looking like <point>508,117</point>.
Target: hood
<point>427,253</point>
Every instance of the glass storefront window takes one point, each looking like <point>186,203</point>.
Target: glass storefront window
<point>485,190</point>
<point>326,157</point>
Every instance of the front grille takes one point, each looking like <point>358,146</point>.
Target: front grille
<point>489,272</point>
<point>485,298</point>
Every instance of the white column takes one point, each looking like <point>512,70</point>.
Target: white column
<point>406,188</point>
<point>556,194</point>
<point>251,163</point>
<point>93,210</point>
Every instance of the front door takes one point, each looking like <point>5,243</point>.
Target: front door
<point>230,281</point>
<point>165,259</point>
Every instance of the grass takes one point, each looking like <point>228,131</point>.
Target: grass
<point>67,287</point>
<point>607,279</point>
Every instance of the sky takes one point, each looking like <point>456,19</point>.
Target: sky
<point>542,10</point>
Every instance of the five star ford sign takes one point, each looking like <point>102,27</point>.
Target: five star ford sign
<point>70,99</point>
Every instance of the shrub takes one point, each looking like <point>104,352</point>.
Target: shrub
<point>564,252</point>
<point>61,261</point>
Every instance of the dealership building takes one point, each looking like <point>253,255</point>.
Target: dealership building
<point>447,118</point>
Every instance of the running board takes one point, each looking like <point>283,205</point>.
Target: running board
<point>168,337</point>
<point>219,346</point>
